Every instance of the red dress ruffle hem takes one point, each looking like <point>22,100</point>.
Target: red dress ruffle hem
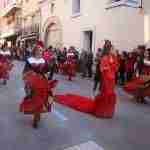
<point>71,69</point>
<point>38,102</point>
<point>77,102</point>
<point>102,106</point>
<point>131,86</point>
<point>105,105</point>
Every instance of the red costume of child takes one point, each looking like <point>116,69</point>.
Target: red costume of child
<point>38,101</point>
<point>70,65</point>
<point>47,55</point>
<point>38,86</point>
<point>5,64</point>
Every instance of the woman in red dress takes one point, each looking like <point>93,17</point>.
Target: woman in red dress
<point>106,99</point>
<point>37,97</point>
<point>70,65</point>
<point>49,57</point>
<point>129,66</point>
<point>5,64</point>
<point>139,86</point>
<point>103,105</point>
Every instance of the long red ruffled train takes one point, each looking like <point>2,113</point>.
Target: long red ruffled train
<point>102,106</point>
<point>80,103</point>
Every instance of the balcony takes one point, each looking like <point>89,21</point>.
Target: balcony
<point>125,3</point>
<point>30,29</point>
<point>30,32</point>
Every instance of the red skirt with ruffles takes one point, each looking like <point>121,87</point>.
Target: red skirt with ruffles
<point>39,100</point>
<point>28,106</point>
<point>4,71</point>
<point>131,86</point>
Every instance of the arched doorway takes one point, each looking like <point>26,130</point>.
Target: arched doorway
<point>53,32</point>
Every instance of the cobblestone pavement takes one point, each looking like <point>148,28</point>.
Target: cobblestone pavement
<point>64,129</point>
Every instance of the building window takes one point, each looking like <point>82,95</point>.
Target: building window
<point>76,7</point>
<point>52,8</point>
<point>115,1</point>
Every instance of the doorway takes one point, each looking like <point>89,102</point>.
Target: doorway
<point>53,36</point>
<point>88,40</point>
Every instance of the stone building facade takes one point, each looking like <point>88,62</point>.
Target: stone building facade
<point>81,23</point>
<point>20,21</point>
<point>86,23</point>
<point>31,18</point>
<point>10,20</point>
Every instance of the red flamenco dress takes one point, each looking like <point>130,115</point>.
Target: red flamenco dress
<point>47,55</point>
<point>135,86</point>
<point>36,87</point>
<point>5,65</point>
<point>106,100</point>
<point>39,86</point>
<point>70,65</point>
<point>104,104</point>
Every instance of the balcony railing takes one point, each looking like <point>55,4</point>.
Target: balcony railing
<point>30,29</point>
<point>126,3</point>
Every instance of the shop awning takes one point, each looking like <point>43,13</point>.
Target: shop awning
<point>7,34</point>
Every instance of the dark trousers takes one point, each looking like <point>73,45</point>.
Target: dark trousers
<point>129,75</point>
<point>90,72</point>
<point>84,72</point>
<point>51,73</point>
<point>96,83</point>
<point>121,77</point>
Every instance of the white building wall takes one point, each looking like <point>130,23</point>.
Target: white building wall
<point>45,14</point>
<point>123,26</point>
<point>146,4</point>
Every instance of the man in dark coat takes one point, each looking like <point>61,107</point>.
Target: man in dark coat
<point>90,63</point>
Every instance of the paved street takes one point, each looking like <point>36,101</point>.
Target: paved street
<point>65,128</point>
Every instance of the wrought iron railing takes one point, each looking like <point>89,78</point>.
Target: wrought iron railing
<point>30,29</point>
